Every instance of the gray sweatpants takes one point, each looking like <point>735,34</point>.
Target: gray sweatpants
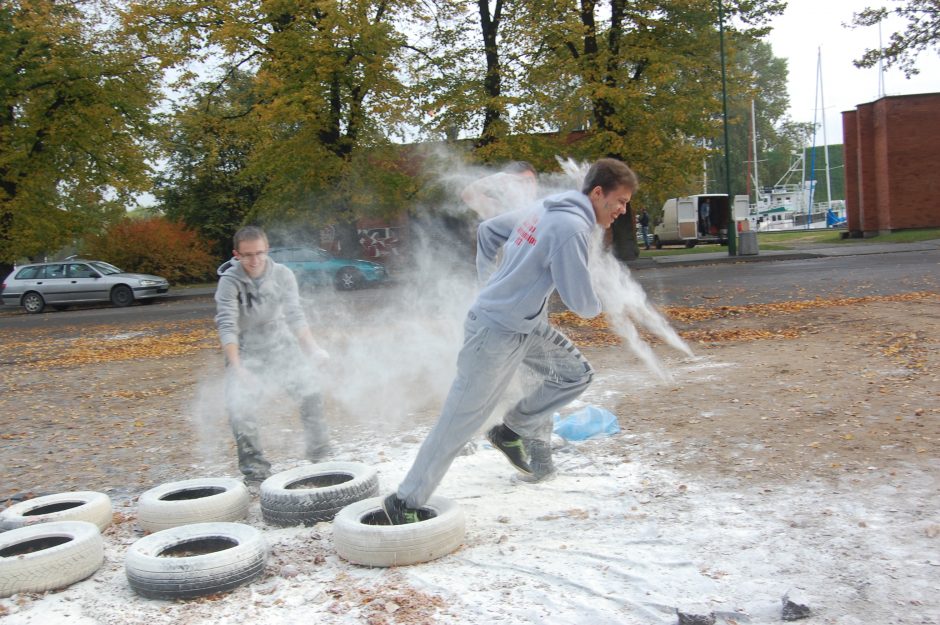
<point>281,367</point>
<point>485,367</point>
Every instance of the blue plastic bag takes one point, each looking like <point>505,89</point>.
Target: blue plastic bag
<point>589,422</point>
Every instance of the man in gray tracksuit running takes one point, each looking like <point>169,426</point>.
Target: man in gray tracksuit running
<point>545,248</point>
<point>267,345</point>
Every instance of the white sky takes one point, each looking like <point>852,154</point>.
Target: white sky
<point>810,25</point>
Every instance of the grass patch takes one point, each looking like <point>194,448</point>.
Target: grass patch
<point>904,236</point>
<point>797,238</point>
<point>681,250</point>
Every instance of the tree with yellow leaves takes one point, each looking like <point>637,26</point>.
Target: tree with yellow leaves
<point>74,124</point>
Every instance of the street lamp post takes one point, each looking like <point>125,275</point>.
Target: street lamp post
<point>732,234</point>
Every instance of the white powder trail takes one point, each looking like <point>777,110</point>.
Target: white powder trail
<point>624,301</point>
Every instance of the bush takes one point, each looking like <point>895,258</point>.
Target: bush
<point>157,246</point>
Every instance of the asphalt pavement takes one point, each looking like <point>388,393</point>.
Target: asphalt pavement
<point>859,248</point>
<point>809,251</point>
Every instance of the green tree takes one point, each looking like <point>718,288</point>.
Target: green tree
<point>643,78</point>
<point>765,78</point>
<point>921,32</point>
<point>74,124</point>
<point>204,183</point>
<point>325,87</point>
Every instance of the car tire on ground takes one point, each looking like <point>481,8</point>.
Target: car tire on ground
<point>89,506</point>
<point>657,243</point>
<point>195,560</point>
<point>48,556</point>
<point>348,279</point>
<point>361,534</point>
<point>314,493</point>
<point>33,302</point>
<point>122,295</point>
<point>199,500</point>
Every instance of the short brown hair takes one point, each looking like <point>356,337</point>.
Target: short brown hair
<point>608,174</point>
<point>519,167</point>
<point>248,233</point>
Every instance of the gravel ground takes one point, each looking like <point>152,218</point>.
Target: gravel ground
<point>838,402</point>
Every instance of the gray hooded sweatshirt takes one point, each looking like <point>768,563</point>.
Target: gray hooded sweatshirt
<point>254,313</point>
<point>545,248</point>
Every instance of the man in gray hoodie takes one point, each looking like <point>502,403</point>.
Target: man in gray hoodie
<point>267,345</point>
<point>545,249</point>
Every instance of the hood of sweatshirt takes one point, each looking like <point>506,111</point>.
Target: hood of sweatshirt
<point>573,202</point>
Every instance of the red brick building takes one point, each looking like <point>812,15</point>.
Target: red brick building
<point>892,164</point>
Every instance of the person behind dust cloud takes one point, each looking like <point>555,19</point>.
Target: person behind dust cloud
<point>511,188</point>
<point>545,248</point>
<point>267,345</point>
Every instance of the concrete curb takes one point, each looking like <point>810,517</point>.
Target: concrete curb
<point>184,294</point>
<point>713,259</point>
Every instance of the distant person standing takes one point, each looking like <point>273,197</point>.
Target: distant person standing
<point>267,345</point>
<point>644,221</point>
<point>704,214</point>
<point>545,249</point>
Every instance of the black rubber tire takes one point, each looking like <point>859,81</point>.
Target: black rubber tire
<point>361,534</point>
<point>33,302</point>
<point>690,244</point>
<point>229,555</point>
<point>333,486</point>
<point>47,556</point>
<point>657,243</point>
<point>122,296</point>
<point>348,279</point>
<point>200,500</point>
<point>89,506</point>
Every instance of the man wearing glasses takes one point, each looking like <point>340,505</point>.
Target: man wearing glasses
<point>268,346</point>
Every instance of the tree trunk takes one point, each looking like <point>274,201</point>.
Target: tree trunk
<point>492,82</point>
<point>623,232</point>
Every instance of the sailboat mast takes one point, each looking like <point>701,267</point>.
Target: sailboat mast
<point>822,100</point>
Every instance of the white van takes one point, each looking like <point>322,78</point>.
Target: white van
<point>683,223</point>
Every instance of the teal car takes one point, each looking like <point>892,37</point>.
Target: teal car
<point>317,267</point>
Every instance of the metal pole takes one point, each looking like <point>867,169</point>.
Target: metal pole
<point>754,136</point>
<point>732,234</point>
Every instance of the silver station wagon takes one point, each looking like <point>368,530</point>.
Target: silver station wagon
<point>78,281</point>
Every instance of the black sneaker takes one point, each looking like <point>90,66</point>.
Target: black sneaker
<point>256,478</point>
<point>320,454</point>
<point>510,443</point>
<point>540,459</point>
<point>397,512</point>
<point>253,482</point>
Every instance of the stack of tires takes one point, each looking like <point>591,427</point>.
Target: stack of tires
<point>197,546</point>
<point>196,543</point>
<point>52,541</point>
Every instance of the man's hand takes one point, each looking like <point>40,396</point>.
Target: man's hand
<point>243,375</point>
<point>319,355</point>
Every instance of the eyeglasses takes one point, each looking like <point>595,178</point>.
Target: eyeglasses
<point>253,255</point>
